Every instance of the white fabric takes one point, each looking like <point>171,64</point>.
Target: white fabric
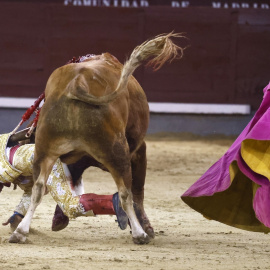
<point>8,152</point>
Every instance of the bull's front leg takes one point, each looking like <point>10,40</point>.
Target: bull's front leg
<point>19,235</point>
<point>138,165</point>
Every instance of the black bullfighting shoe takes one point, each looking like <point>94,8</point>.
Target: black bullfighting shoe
<point>121,215</point>
<point>14,221</point>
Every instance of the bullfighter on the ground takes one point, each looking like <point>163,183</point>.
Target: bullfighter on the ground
<point>16,166</point>
<point>236,189</point>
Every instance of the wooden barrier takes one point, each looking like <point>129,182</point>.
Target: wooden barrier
<point>228,60</point>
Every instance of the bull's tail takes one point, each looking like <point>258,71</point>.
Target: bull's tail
<point>159,49</point>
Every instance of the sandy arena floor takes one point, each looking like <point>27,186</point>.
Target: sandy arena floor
<point>184,239</point>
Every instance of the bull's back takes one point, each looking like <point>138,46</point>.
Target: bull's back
<point>95,77</point>
<point>66,117</point>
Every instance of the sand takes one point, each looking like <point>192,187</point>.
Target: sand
<point>184,239</point>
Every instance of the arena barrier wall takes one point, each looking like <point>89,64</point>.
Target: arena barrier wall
<point>227,60</point>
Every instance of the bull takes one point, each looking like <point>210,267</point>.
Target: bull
<point>96,113</point>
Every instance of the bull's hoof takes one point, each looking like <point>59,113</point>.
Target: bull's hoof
<point>144,221</point>
<point>150,232</point>
<point>144,239</point>
<point>17,238</point>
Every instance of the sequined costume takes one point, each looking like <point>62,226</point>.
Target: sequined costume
<point>19,171</point>
<point>16,166</point>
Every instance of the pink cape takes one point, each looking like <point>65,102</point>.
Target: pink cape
<point>234,201</point>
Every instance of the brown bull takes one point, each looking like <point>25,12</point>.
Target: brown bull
<point>96,111</point>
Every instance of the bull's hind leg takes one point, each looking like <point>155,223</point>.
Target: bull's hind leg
<point>118,163</point>
<point>138,165</point>
<point>125,195</point>
<point>19,235</point>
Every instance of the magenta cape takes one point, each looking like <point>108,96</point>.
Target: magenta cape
<point>230,191</point>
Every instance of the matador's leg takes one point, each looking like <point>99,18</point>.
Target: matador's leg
<point>83,205</point>
<point>21,158</point>
<point>22,207</point>
<point>60,220</point>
